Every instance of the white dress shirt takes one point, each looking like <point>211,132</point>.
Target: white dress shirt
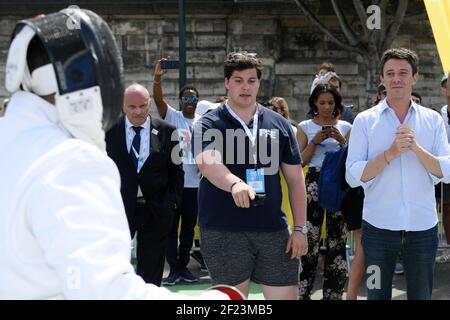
<point>144,149</point>
<point>401,196</point>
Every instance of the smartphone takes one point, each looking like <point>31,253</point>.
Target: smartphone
<point>170,64</point>
<point>259,200</point>
<point>326,127</point>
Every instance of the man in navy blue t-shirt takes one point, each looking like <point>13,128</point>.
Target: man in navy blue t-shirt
<point>240,148</point>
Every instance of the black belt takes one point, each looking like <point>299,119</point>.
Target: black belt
<point>140,200</point>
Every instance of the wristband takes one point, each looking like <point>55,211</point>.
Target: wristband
<point>233,184</point>
<point>385,158</point>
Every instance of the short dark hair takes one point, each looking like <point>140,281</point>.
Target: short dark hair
<point>186,88</point>
<point>401,54</point>
<point>415,94</point>
<point>323,88</point>
<point>241,61</point>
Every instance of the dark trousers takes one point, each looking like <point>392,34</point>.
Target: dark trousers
<point>381,248</point>
<point>178,252</point>
<point>152,237</point>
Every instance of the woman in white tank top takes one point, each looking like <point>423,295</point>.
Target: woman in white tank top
<point>316,136</point>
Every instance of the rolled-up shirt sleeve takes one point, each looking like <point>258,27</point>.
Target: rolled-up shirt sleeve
<point>357,156</point>
<point>441,150</point>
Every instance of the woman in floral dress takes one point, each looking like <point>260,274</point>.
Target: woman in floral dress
<point>316,136</point>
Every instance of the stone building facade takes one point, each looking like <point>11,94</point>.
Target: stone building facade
<point>290,47</point>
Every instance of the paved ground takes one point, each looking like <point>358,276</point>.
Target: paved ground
<point>441,289</point>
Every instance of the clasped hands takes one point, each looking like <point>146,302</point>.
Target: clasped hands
<point>404,140</point>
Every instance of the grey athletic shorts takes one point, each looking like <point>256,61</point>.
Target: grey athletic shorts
<point>234,257</point>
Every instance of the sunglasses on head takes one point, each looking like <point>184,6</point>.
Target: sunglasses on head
<point>237,55</point>
<point>189,99</point>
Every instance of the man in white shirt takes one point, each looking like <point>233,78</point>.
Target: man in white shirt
<point>398,150</point>
<point>179,247</point>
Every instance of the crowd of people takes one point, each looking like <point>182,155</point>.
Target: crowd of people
<point>86,168</point>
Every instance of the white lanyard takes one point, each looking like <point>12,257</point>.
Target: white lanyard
<point>251,134</point>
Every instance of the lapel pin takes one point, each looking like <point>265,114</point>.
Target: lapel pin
<point>155,132</point>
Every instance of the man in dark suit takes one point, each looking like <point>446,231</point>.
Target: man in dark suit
<point>151,181</point>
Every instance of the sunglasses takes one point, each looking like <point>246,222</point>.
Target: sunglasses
<point>189,99</point>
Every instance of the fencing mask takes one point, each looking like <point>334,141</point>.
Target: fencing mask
<point>73,55</point>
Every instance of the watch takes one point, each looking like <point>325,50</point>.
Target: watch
<point>303,229</point>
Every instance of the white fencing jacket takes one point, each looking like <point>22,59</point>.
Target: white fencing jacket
<point>63,229</point>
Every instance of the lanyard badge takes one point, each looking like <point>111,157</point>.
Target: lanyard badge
<point>254,177</point>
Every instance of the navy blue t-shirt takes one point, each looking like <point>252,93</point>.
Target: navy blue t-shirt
<point>219,130</point>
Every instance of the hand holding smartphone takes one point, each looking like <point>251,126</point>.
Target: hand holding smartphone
<point>169,64</point>
<point>327,129</point>
<point>259,200</point>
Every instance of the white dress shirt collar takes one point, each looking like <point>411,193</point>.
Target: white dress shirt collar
<point>384,104</point>
<point>145,125</point>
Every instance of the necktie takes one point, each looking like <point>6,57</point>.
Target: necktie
<point>135,146</point>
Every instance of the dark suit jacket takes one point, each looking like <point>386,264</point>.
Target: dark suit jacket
<point>161,180</point>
